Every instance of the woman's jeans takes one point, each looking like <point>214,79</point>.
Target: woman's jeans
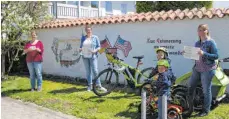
<point>35,71</point>
<point>91,66</point>
<point>206,79</point>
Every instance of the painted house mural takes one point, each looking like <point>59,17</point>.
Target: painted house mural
<point>66,51</point>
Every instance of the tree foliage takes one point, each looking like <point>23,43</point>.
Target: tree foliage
<point>18,18</point>
<point>147,6</point>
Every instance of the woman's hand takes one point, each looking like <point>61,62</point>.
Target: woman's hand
<point>28,50</point>
<point>38,49</point>
<point>94,51</point>
<point>80,49</point>
<point>200,52</point>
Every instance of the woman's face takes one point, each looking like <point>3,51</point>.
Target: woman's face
<point>88,30</point>
<point>160,55</point>
<point>34,35</point>
<point>202,32</point>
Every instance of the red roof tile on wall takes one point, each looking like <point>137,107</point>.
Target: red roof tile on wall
<point>149,16</point>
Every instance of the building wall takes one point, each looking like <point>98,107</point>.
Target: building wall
<point>143,36</point>
<point>116,6</point>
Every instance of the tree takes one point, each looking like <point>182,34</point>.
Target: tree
<point>18,17</point>
<point>147,6</point>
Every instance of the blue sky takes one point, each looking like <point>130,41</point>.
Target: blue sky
<point>220,4</point>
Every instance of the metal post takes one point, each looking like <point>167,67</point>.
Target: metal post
<point>79,11</point>
<point>89,11</point>
<point>99,8</point>
<point>164,107</point>
<point>55,9</point>
<point>143,104</point>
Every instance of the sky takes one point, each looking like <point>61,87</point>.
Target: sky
<point>220,4</point>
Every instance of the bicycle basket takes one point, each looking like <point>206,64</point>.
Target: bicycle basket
<point>110,53</point>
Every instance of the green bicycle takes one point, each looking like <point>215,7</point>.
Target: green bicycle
<point>109,77</point>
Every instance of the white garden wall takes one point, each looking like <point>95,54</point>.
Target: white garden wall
<point>139,34</point>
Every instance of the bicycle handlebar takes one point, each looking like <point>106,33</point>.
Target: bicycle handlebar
<point>224,59</point>
<point>116,57</point>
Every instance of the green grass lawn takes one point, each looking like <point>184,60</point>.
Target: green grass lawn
<point>75,100</point>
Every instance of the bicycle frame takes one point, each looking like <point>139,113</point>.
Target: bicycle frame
<point>219,81</point>
<point>125,70</point>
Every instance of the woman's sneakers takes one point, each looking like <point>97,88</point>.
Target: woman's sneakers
<point>89,88</point>
<point>203,113</point>
<point>102,89</point>
<point>38,89</point>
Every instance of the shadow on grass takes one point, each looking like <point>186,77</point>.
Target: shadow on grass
<point>65,79</point>
<point>111,97</point>
<point>68,90</point>
<point>10,92</point>
<point>98,99</point>
<point>130,112</point>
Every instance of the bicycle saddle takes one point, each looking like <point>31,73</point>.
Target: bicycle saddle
<point>138,57</point>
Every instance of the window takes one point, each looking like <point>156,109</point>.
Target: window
<point>81,3</point>
<point>123,8</point>
<point>108,6</point>
<point>72,2</point>
<point>94,4</point>
<point>63,2</point>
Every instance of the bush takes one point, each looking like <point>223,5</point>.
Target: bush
<point>19,66</point>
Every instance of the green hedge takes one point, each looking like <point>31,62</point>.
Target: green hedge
<point>147,6</point>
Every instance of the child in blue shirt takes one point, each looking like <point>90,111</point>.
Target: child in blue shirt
<point>163,84</point>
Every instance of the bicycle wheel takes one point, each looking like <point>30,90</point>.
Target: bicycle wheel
<point>173,114</point>
<point>145,72</point>
<point>149,108</point>
<point>109,81</point>
<point>198,101</point>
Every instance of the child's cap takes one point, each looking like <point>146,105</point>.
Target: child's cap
<point>162,49</point>
<point>163,63</point>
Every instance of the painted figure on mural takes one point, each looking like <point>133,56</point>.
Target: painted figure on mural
<point>89,46</point>
<point>204,68</point>
<point>66,51</point>
<point>34,57</point>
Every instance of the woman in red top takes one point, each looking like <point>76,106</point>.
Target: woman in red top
<point>34,51</point>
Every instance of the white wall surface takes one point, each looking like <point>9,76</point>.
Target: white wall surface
<point>137,34</point>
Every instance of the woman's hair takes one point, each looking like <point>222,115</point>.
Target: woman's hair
<point>204,27</point>
<point>33,31</point>
<point>88,26</point>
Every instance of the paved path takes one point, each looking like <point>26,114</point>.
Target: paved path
<point>15,109</point>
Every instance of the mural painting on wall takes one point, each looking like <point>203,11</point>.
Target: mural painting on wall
<point>104,44</point>
<point>121,44</point>
<point>159,43</point>
<point>66,51</point>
